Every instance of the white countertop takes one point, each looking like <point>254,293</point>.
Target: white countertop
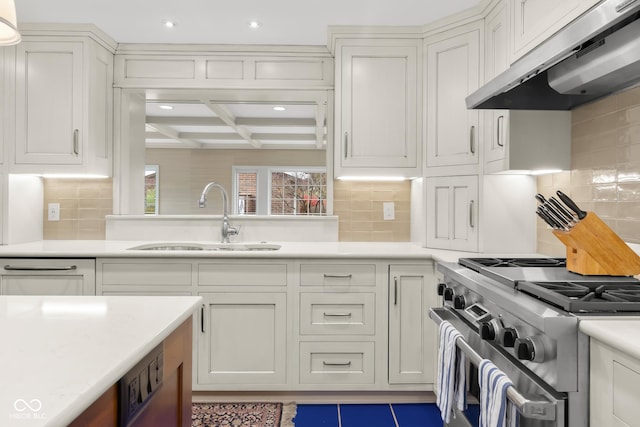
<point>119,248</point>
<point>59,354</point>
<point>621,334</point>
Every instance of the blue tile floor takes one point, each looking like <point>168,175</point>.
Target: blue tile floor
<point>374,415</point>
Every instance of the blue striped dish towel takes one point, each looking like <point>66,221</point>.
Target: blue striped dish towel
<point>451,381</point>
<point>495,409</point>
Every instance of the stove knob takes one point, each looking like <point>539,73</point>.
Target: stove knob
<point>441,288</point>
<point>459,302</point>
<point>509,336</point>
<point>487,331</point>
<point>448,294</point>
<point>529,348</point>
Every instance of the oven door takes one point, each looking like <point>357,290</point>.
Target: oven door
<point>538,404</point>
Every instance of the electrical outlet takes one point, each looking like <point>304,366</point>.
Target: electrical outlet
<point>388,211</point>
<point>53,212</point>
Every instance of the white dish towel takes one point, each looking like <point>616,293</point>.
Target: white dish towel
<point>495,409</point>
<point>451,381</point>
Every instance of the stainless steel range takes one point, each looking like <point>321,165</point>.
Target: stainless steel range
<point>523,314</point>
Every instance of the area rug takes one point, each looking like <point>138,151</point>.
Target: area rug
<point>254,414</point>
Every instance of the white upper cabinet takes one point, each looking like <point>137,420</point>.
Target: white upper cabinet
<point>536,20</point>
<point>64,106</point>
<point>377,129</point>
<point>452,72</point>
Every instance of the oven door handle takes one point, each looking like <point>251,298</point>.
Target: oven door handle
<point>539,408</point>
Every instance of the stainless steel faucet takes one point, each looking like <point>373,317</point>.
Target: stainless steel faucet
<point>227,230</point>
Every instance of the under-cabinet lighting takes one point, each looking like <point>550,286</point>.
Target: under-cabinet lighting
<point>169,24</point>
<point>279,108</point>
<point>254,25</point>
<point>73,176</point>
<point>372,178</point>
<point>545,171</point>
<point>166,107</point>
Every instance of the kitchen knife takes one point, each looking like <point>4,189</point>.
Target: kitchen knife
<point>562,210</point>
<point>550,222</point>
<point>571,205</point>
<point>562,223</point>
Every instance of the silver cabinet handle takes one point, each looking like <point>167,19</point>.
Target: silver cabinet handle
<point>336,314</point>
<point>471,224</point>
<point>499,121</point>
<point>202,318</point>
<point>472,140</point>
<point>337,276</point>
<point>346,145</point>
<point>40,267</point>
<point>75,142</point>
<point>336,363</point>
<point>395,291</point>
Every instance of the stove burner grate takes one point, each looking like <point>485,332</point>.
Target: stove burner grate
<point>476,263</point>
<point>586,297</point>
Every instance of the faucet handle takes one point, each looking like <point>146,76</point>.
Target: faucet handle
<point>233,230</point>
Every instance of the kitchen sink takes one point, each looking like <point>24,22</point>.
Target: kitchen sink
<point>171,246</point>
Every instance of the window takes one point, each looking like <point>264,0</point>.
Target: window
<point>151,189</point>
<point>280,191</point>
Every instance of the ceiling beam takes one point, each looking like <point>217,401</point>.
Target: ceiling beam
<point>186,121</point>
<point>222,112</point>
<point>173,134</point>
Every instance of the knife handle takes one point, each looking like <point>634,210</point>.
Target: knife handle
<point>571,204</point>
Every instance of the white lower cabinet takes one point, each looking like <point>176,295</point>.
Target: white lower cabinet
<point>614,387</point>
<point>242,340</point>
<point>20,276</point>
<point>412,335</point>
<point>287,325</point>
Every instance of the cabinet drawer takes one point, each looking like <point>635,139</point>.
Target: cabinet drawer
<point>242,274</point>
<point>338,274</point>
<point>337,363</point>
<point>148,274</point>
<point>337,313</point>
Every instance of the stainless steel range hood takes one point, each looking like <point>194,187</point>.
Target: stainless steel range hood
<point>595,55</point>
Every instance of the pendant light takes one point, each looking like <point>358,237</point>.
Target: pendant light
<point>8,23</point>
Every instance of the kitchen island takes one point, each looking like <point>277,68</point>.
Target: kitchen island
<point>64,356</point>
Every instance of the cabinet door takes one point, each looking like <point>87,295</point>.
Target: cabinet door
<point>452,212</point>
<point>242,339</point>
<point>496,61</point>
<point>536,20</point>
<point>411,332</point>
<point>47,277</point>
<point>378,120</point>
<point>49,107</point>
<point>452,74</point>
<point>4,106</point>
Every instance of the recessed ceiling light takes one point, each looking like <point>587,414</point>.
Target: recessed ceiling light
<point>168,24</point>
<point>166,107</point>
<point>279,108</point>
<point>254,25</point>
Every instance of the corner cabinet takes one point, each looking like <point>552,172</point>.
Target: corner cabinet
<point>64,106</point>
<point>378,107</point>
<point>453,71</point>
<point>452,212</point>
<point>412,335</point>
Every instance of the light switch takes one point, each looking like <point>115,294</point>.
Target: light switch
<point>53,212</point>
<point>388,211</point>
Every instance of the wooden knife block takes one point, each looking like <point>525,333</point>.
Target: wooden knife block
<point>594,249</point>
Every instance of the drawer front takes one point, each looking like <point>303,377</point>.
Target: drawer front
<point>242,274</point>
<point>338,274</point>
<point>337,362</point>
<point>147,274</point>
<point>337,313</point>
